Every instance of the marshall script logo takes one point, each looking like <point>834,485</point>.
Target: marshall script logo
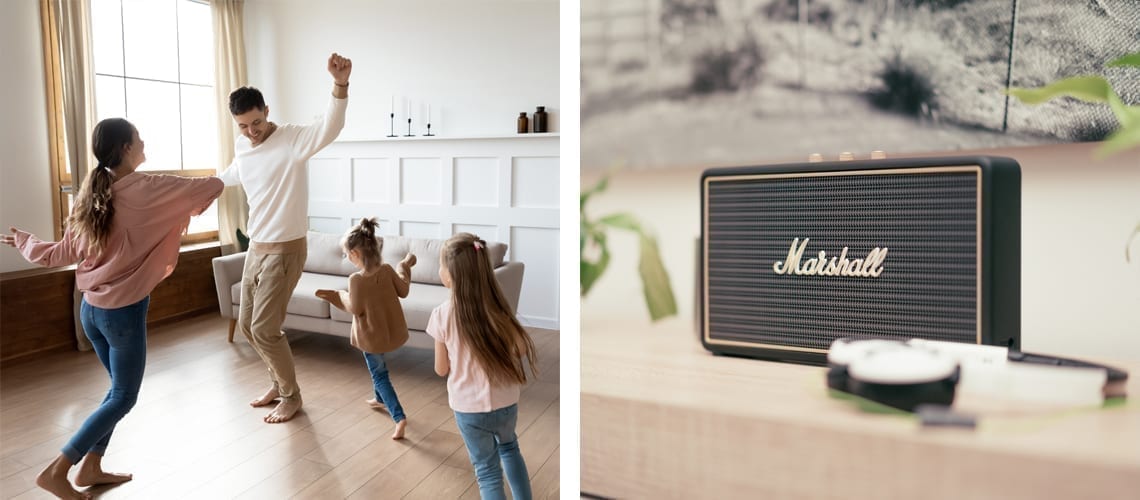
<point>868,267</point>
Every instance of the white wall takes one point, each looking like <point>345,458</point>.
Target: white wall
<point>478,63</point>
<point>25,189</point>
<point>503,189</point>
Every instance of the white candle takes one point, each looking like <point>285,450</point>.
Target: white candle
<point>392,106</point>
<point>429,114</point>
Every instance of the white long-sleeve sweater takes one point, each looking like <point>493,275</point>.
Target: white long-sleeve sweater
<point>274,176</point>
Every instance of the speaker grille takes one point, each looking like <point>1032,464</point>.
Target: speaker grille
<point>927,218</point>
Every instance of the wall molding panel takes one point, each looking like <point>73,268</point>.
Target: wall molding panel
<point>501,188</point>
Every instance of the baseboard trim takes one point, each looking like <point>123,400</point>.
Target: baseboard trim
<point>537,322</point>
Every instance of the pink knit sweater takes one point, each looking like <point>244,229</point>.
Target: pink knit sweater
<point>151,213</point>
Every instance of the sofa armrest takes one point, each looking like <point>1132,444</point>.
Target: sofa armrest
<point>227,271</point>
<point>510,277</point>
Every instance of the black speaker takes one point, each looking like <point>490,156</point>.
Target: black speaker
<point>794,256</point>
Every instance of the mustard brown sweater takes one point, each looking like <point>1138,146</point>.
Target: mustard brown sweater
<point>378,323</point>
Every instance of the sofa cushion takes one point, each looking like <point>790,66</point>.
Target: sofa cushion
<point>426,251</point>
<point>326,255</point>
<point>421,300</point>
<point>305,302</point>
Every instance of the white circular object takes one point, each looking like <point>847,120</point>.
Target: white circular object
<point>844,351</point>
<point>902,366</point>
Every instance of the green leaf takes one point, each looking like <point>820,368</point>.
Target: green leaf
<point>621,221</point>
<point>597,188</point>
<point>1132,59</point>
<point>1126,115</point>
<point>591,271</point>
<point>1088,88</point>
<point>1123,139</point>
<point>1128,247</point>
<point>655,281</point>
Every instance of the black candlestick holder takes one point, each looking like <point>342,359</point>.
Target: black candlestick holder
<point>428,134</point>
<point>409,134</point>
<point>392,125</point>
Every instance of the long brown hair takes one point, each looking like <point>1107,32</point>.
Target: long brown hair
<point>94,210</point>
<point>362,238</point>
<point>482,316</point>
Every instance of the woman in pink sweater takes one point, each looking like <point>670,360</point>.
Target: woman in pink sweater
<point>124,231</point>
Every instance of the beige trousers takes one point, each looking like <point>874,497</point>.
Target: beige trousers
<point>271,273</point>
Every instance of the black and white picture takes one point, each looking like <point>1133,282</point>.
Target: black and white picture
<point>668,83</point>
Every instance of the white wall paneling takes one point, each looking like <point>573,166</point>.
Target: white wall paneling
<point>372,180</point>
<point>535,182</point>
<point>503,188</point>
<point>538,248</point>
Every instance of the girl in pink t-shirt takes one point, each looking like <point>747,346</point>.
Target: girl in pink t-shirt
<point>124,232</point>
<point>479,347</point>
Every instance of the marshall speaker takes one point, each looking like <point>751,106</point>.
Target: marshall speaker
<point>795,256</point>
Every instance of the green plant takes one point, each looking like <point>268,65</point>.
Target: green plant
<point>654,279</point>
<point>1097,89</point>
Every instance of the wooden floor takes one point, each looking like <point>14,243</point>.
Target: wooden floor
<point>193,435</point>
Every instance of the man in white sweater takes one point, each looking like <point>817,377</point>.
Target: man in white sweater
<point>270,164</point>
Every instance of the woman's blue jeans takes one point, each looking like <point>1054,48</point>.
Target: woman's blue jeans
<point>490,438</point>
<point>382,385</point>
<point>119,339</point>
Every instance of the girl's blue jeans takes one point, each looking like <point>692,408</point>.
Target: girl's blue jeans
<point>119,339</point>
<point>382,385</point>
<point>490,439</point>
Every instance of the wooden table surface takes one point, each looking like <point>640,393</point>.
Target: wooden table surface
<point>663,418</point>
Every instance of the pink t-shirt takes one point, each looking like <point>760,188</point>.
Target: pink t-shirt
<point>468,389</point>
<point>151,212</point>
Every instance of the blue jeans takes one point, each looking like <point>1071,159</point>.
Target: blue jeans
<point>119,339</point>
<point>382,385</point>
<point>490,437</point>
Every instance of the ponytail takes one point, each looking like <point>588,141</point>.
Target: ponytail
<point>94,209</point>
<point>362,238</point>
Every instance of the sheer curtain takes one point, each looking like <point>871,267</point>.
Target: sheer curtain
<point>229,74</point>
<point>72,22</point>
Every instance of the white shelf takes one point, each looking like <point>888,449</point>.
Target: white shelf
<point>547,135</point>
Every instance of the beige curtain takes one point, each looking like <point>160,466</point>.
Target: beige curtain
<point>229,74</point>
<point>77,73</point>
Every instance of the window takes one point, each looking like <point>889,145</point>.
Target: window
<point>154,66</point>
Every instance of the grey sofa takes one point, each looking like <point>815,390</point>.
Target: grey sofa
<point>326,267</point>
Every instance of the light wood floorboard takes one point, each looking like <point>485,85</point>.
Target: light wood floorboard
<point>192,433</point>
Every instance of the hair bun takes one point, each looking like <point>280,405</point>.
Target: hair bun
<point>368,226</point>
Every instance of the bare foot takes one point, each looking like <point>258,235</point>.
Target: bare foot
<point>399,432</point>
<point>53,479</point>
<point>91,478</point>
<point>284,411</point>
<point>269,397</point>
<point>376,405</point>
<point>407,263</point>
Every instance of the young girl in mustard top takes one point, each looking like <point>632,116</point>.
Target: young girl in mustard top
<point>373,299</point>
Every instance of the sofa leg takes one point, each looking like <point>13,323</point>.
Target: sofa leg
<point>233,323</point>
